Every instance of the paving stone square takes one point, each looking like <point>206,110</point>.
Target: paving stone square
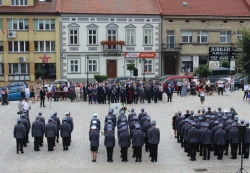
<point>171,158</point>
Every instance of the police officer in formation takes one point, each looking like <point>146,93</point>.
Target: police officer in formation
<point>132,130</point>
<point>39,129</point>
<point>212,131</point>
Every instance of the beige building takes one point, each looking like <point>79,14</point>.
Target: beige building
<point>193,33</point>
<point>29,37</point>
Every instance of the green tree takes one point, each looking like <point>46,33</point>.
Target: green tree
<point>38,73</point>
<point>100,78</point>
<point>131,67</point>
<point>203,71</point>
<point>225,64</point>
<point>243,60</point>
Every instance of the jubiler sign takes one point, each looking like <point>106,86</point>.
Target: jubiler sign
<point>216,52</point>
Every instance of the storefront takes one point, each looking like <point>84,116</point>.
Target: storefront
<point>187,64</point>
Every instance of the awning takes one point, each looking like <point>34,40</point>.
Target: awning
<point>141,55</point>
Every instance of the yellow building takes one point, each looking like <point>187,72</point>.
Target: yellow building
<point>29,32</point>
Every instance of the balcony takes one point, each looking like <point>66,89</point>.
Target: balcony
<point>112,46</point>
<point>171,47</point>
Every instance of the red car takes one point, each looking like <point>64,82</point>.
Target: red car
<point>175,80</point>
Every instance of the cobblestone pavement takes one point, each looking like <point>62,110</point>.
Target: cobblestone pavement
<point>78,158</point>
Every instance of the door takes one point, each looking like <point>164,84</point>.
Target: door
<point>127,73</point>
<point>111,68</point>
<point>169,65</point>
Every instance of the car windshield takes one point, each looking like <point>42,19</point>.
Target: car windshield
<point>14,90</point>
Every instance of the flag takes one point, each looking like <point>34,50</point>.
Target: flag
<point>2,31</point>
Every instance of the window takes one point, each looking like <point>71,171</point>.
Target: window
<point>1,46</point>
<point>1,68</point>
<point>18,24</point>
<point>74,66</point>
<point>112,36</point>
<point>44,46</point>
<point>19,68</point>
<point>170,40</point>
<point>73,36</point>
<point>19,2</point>
<point>44,24</point>
<point>186,36</point>
<point>130,36</point>
<point>225,36</point>
<point>202,36</point>
<point>18,46</point>
<point>92,65</point>
<point>147,37</point>
<point>148,66</point>
<point>1,23</point>
<point>0,2</point>
<point>92,36</point>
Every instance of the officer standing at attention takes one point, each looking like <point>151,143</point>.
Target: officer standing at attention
<point>206,140</point>
<point>26,125</point>
<point>228,129</point>
<point>177,120</point>
<point>94,142</point>
<point>124,143</point>
<point>220,140</point>
<point>137,142</point>
<point>192,140</point>
<point>41,118</point>
<point>58,122</point>
<point>214,130</point>
<point>154,140</point>
<point>50,133</point>
<point>234,141</point>
<point>71,124</point>
<point>19,133</point>
<point>109,142</point>
<point>246,142</point>
<point>131,114</point>
<point>37,131</point>
<point>140,115</point>
<point>65,133</point>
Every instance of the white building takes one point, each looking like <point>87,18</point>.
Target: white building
<point>93,44</point>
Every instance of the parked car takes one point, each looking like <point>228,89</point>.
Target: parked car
<point>16,84</point>
<point>237,83</point>
<point>123,79</point>
<point>59,81</point>
<point>175,79</point>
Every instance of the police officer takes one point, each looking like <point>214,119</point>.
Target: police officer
<point>41,118</point>
<point>200,132</point>
<point>192,140</point>
<point>109,142</point>
<point>65,133</point>
<point>214,130</point>
<point>37,131</point>
<point>220,140</point>
<point>137,141</point>
<point>145,129</point>
<point>228,129</point>
<point>58,122</point>
<point>131,114</point>
<point>154,140</point>
<point>206,140</point>
<point>26,125</point>
<point>94,142</point>
<point>71,124</point>
<point>177,120</point>
<point>19,133</point>
<point>247,142</point>
<point>234,140</point>
<point>50,133</point>
<point>180,124</point>
<point>124,143</point>
<point>140,115</point>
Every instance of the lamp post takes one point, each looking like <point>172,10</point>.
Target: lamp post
<point>144,62</point>
<point>43,72</point>
<point>87,70</point>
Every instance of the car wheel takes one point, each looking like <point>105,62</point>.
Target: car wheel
<point>236,88</point>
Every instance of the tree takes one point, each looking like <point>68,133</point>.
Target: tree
<point>203,71</point>
<point>131,67</point>
<point>225,64</point>
<point>243,60</point>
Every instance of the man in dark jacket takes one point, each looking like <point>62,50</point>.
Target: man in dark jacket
<point>58,123</point>
<point>124,142</point>
<point>71,124</point>
<point>27,129</point>
<point>192,139</point>
<point>37,132</point>
<point>109,143</point>
<point>42,97</point>
<point>154,140</point>
<point>19,133</point>
<point>137,141</point>
<point>206,140</point>
<point>50,133</point>
<point>65,133</point>
<point>220,140</point>
<point>246,142</point>
<point>234,140</point>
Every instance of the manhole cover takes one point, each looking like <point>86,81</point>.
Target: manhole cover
<point>200,170</point>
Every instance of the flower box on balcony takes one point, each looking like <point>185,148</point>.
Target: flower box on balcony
<point>111,42</point>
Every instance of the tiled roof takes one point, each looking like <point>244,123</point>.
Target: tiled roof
<point>39,7</point>
<point>206,7</point>
<point>110,6</point>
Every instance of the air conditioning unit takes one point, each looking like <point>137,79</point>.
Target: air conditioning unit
<point>12,34</point>
<point>0,59</point>
<point>22,59</point>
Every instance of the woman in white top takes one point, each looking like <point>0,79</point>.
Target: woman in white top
<point>232,84</point>
<point>227,88</point>
<point>77,90</point>
<point>160,91</point>
<point>246,90</point>
<point>65,92</point>
<point>27,92</point>
<point>202,94</point>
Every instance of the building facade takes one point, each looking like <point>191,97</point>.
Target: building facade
<point>29,39</point>
<point>192,36</point>
<point>107,43</point>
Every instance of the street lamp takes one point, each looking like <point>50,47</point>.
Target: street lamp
<point>144,62</point>
<point>87,70</point>
<point>43,72</point>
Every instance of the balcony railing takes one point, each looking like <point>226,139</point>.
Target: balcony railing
<point>171,47</point>
<point>112,45</point>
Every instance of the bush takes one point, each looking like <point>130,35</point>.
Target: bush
<point>100,78</point>
<point>38,73</point>
<point>131,67</point>
<point>225,64</point>
<point>203,71</point>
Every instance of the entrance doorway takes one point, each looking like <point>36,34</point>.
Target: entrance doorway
<point>111,68</point>
<point>127,72</point>
<point>169,65</point>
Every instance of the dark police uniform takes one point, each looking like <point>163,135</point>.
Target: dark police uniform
<point>19,133</point>
<point>65,134</point>
<point>109,142</point>
<point>124,143</point>
<point>154,140</point>
<point>37,131</point>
